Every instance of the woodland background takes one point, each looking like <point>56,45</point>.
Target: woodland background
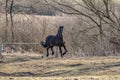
<point>91,27</point>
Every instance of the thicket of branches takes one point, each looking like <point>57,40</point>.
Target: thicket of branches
<point>92,27</point>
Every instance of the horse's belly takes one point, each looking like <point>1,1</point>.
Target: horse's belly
<point>56,43</point>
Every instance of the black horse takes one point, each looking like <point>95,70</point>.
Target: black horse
<point>55,40</point>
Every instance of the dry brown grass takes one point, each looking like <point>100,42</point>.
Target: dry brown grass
<point>85,68</point>
<point>105,77</point>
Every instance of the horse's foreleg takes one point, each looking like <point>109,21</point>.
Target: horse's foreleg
<point>65,50</point>
<point>52,50</point>
<point>60,51</point>
<point>47,51</point>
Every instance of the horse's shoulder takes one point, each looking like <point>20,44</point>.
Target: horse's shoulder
<point>50,36</point>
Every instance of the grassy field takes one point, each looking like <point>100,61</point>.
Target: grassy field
<point>34,67</point>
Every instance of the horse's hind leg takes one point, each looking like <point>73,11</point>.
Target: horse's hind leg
<point>47,51</point>
<point>60,51</point>
<point>65,49</point>
<point>52,50</point>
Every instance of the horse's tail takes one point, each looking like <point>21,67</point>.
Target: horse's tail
<point>43,44</point>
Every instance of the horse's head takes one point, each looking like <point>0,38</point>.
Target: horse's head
<point>60,28</point>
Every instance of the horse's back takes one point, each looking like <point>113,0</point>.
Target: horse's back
<point>50,38</point>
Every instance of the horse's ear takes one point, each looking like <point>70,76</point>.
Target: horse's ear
<point>61,26</point>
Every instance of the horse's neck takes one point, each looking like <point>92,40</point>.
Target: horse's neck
<point>59,35</point>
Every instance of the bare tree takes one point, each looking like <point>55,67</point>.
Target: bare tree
<point>6,27</point>
<point>9,11</point>
<point>11,18</point>
<point>100,15</point>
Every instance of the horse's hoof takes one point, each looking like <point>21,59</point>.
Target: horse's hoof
<point>64,53</point>
<point>62,56</point>
<point>52,53</point>
<point>42,56</point>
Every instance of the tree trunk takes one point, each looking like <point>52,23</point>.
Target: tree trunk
<point>11,18</point>
<point>6,27</point>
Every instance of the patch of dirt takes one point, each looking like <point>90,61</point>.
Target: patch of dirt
<point>17,74</point>
<point>2,62</point>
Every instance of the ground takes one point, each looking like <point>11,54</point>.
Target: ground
<point>34,67</point>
